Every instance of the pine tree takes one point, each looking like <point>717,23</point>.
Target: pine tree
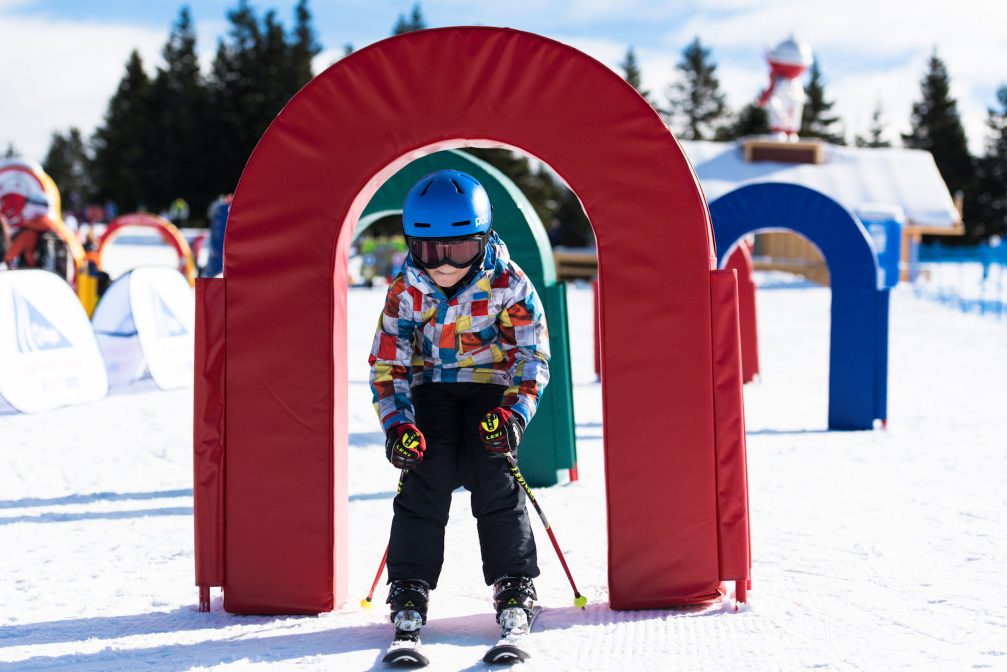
<point>536,186</point>
<point>121,168</point>
<point>937,127</point>
<point>304,45</point>
<point>236,96</point>
<point>875,131</point>
<point>631,73</point>
<point>416,18</point>
<point>696,104</point>
<point>180,102</point>
<point>68,164</point>
<point>751,120</point>
<point>991,198</point>
<point>414,21</point>
<point>816,121</point>
<point>576,228</point>
<point>274,59</point>
<point>550,199</point>
<point>258,67</point>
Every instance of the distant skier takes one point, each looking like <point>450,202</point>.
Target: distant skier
<point>218,213</point>
<point>458,364</point>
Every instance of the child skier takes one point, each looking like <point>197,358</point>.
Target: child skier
<point>458,364</point>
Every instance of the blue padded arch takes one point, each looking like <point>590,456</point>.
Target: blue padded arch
<point>858,359</point>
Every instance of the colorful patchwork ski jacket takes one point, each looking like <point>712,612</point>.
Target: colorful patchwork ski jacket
<point>492,331</point>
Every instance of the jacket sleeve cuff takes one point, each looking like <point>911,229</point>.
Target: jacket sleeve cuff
<point>398,418</point>
<point>521,408</point>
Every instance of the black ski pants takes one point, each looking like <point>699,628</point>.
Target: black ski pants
<point>448,414</point>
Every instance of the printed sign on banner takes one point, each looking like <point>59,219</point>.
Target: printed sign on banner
<point>116,333</point>
<point>145,323</point>
<point>48,353</point>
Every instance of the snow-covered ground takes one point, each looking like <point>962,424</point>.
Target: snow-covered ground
<point>872,550</point>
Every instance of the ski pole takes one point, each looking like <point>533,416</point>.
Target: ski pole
<point>366,602</point>
<point>578,599</point>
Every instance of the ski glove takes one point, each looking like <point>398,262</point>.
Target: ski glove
<point>501,430</point>
<point>404,446</point>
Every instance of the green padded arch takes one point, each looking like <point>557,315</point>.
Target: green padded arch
<point>549,446</point>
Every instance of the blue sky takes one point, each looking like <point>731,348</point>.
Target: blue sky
<point>64,57</point>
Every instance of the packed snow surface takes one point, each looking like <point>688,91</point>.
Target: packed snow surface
<point>872,550</point>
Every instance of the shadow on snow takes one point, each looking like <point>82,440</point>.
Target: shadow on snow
<point>475,631</point>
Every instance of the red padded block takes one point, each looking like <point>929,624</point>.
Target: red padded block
<point>741,261</point>
<point>301,193</point>
<point>732,472</point>
<point>596,295</point>
<point>208,432</point>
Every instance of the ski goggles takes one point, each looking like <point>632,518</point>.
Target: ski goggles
<point>457,252</point>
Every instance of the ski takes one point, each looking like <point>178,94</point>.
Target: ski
<point>510,649</point>
<point>405,652</point>
<point>409,607</point>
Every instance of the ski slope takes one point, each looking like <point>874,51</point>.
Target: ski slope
<point>872,550</point>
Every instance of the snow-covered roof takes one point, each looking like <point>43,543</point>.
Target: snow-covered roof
<point>853,176</point>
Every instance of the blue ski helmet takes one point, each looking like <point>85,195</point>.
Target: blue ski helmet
<point>446,204</point>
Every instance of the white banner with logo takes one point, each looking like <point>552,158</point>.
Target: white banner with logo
<point>48,353</point>
<point>145,324</point>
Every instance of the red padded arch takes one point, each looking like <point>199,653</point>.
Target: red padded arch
<point>287,239</point>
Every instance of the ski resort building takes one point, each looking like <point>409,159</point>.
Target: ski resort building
<point>903,183</point>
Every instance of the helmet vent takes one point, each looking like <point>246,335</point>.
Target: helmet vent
<point>464,222</point>
<point>458,187</point>
<point>421,225</point>
<point>424,192</point>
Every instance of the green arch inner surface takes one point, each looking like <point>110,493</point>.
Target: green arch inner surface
<point>549,446</point>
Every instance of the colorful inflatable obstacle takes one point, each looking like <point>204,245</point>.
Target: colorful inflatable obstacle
<point>169,233</point>
<point>30,201</point>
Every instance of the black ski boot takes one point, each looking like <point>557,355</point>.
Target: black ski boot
<point>514,599</point>
<point>408,599</point>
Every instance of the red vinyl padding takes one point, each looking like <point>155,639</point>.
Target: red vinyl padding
<point>732,472</point>
<point>301,193</point>
<point>208,432</point>
<point>741,261</point>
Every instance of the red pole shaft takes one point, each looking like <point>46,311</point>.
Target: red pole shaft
<point>562,561</point>
<point>377,577</point>
<point>384,558</point>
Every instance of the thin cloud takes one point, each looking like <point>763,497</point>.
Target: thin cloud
<point>885,44</point>
<point>870,51</point>
<point>64,78</point>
